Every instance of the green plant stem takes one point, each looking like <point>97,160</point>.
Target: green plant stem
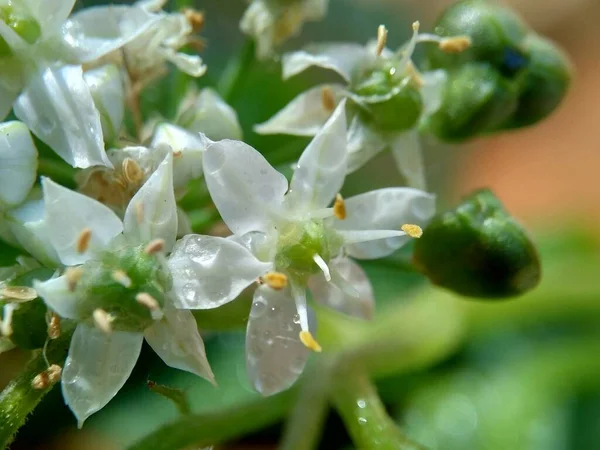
<point>364,414</point>
<point>59,171</point>
<point>19,398</point>
<point>236,71</point>
<point>207,429</point>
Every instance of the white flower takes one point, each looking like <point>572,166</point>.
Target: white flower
<point>289,236</point>
<point>132,301</point>
<point>358,66</point>
<point>272,22</point>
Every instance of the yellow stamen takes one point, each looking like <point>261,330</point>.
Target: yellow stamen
<point>456,44</point>
<point>415,26</point>
<point>83,240</point>
<point>339,207</point>
<point>132,171</point>
<point>414,231</point>
<point>275,280</point>
<point>327,98</point>
<point>47,378</point>
<point>194,18</point>
<point>139,213</point>
<point>309,341</point>
<point>22,293</point>
<point>73,275</point>
<point>102,320</point>
<point>155,246</point>
<point>121,277</point>
<point>54,326</point>
<point>382,34</point>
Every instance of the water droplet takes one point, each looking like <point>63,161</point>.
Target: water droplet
<point>361,403</point>
<point>259,307</point>
<point>296,318</point>
<point>362,421</point>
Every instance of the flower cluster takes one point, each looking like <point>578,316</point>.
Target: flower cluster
<point>116,258</point>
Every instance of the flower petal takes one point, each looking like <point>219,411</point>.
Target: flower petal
<point>68,213</point>
<point>275,356</point>
<point>406,148</point>
<point>56,294</point>
<point>211,271</point>
<point>345,59</point>
<point>106,87</point>
<point>18,163</point>
<point>243,185</point>
<point>305,115</point>
<point>97,367</point>
<point>363,144</point>
<point>349,292</point>
<point>50,14</point>
<point>177,341</point>
<point>152,212</point>
<point>58,108</point>
<point>432,90</point>
<point>386,210</point>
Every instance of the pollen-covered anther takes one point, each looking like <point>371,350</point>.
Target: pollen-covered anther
<point>414,231</point>
<point>18,293</point>
<point>327,98</point>
<point>121,277</point>
<point>455,44</point>
<point>275,280</point>
<point>155,246</point>
<point>415,26</point>
<point>47,378</point>
<point>103,320</point>
<point>309,341</point>
<point>73,275</point>
<point>339,207</point>
<point>54,326</point>
<point>132,171</point>
<point>194,18</point>
<point>382,34</point>
<point>83,240</point>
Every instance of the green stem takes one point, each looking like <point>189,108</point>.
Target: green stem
<point>200,430</point>
<point>202,219</point>
<point>364,415</point>
<point>19,398</point>
<point>236,72</point>
<point>59,171</point>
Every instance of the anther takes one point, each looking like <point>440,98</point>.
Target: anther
<point>194,18</point>
<point>132,171</point>
<point>146,300</point>
<point>339,207</point>
<point>309,341</point>
<point>83,240</point>
<point>275,280</point>
<point>139,213</point>
<point>456,44</point>
<point>327,98</point>
<point>73,275</point>
<point>415,26</point>
<point>121,277</point>
<point>102,320</point>
<point>22,293</point>
<point>155,246</point>
<point>414,231</point>
<point>54,326</point>
<point>382,33</point>
<point>47,378</point>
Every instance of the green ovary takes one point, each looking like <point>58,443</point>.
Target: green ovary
<point>25,26</point>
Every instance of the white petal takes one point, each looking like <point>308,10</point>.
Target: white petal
<point>177,341</point>
<point>97,367</point>
<point>56,294</point>
<point>363,144</point>
<point>50,14</point>
<point>406,148</point>
<point>383,210</point>
<point>432,91</point>
<point>184,225</point>
<point>275,356</point>
<point>68,213</point>
<point>106,87</point>
<point>18,163</point>
<point>7,98</point>
<point>187,151</point>
<point>96,31</point>
<point>211,271</point>
<point>321,169</point>
<point>243,185</point>
<point>190,64</point>
<point>152,212</point>
<point>345,59</point>
<point>58,108</point>
<point>349,292</point>
<point>303,116</point>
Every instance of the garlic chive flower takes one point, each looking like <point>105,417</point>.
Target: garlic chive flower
<point>387,97</point>
<point>272,22</point>
<point>116,286</point>
<point>18,163</point>
<point>289,237</point>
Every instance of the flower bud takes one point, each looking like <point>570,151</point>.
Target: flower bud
<point>478,250</point>
<point>545,82</point>
<point>476,100</point>
<point>497,36</point>
<point>106,87</point>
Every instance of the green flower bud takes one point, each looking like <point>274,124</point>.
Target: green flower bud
<point>29,327</point>
<point>545,82</point>
<point>478,250</point>
<point>476,100</point>
<point>497,36</point>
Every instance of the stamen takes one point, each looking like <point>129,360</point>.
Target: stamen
<point>194,18</point>
<point>275,280</point>
<point>47,378</point>
<point>155,246</point>
<point>414,231</point>
<point>145,299</point>
<point>121,277</point>
<point>339,207</point>
<point>414,74</point>
<point>415,26</point>
<point>54,326</point>
<point>382,33</point>
<point>73,275</point>
<point>83,240</point>
<point>327,98</point>
<point>132,171</point>
<point>139,213</point>
<point>309,341</point>
<point>22,293</point>
<point>323,266</point>
<point>456,44</point>
<point>102,320</point>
